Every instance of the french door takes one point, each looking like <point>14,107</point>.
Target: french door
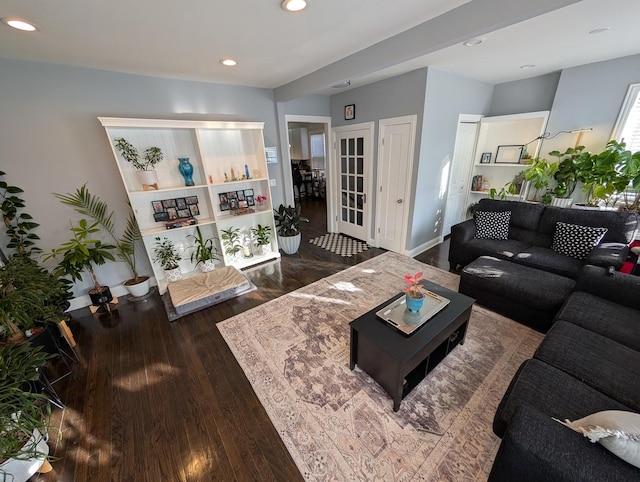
<point>354,153</point>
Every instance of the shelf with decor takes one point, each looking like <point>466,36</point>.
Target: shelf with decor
<point>200,160</point>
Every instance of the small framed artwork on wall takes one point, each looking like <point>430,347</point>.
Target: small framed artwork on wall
<point>486,158</point>
<point>349,112</point>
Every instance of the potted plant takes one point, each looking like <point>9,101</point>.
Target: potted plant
<point>91,205</point>
<point>23,450</point>
<point>150,157</point>
<point>288,221</point>
<point>231,241</point>
<point>81,253</point>
<point>540,173</point>
<point>512,188</point>
<point>262,236</point>
<point>205,252</point>
<point>414,292</point>
<point>19,225</point>
<point>567,175</point>
<point>166,254</point>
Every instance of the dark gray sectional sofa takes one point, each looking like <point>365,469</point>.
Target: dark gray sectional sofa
<point>588,362</point>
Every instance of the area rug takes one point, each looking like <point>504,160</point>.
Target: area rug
<point>340,244</point>
<point>339,424</point>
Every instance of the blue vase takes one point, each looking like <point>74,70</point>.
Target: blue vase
<point>414,304</point>
<point>186,169</point>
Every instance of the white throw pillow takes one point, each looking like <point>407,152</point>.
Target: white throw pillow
<point>575,240</point>
<point>492,225</point>
<point>617,431</point>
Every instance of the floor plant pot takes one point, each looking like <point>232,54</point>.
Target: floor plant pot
<point>562,202</point>
<point>100,296</point>
<point>20,470</point>
<point>289,244</point>
<point>208,265</point>
<point>414,304</point>
<point>138,287</point>
<point>174,274</point>
<point>148,179</point>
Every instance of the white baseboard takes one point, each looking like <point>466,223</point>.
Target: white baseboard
<point>119,290</point>
<point>424,247</point>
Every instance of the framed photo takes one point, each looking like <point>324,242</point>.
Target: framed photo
<point>194,210</point>
<point>157,207</point>
<point>232,195</point>
<point>248,192</point>
<point>159,217</point>
<point>242,204</point>
<point>349,112</point>
<point>223,198</point>
<point>509,154</point>
<point>172,213</point>
<point>240,195</point>
<point>181,203</point>
<point>233,204</point>
<point>168,203</point>
<point>486,158</point>
<point>250,200</point>
<point>184,213</point>
<point>224,206</point>
<point>191,199</point>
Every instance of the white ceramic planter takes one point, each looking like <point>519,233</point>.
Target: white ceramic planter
<point>172,275</point>
<point>289,244</point>
<point>148,179</point>
<point>139,289</point>
<point>562,202</point>
<point>19,470</point>
<point>208,265</point>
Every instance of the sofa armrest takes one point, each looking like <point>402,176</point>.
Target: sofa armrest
<point>460,234</point>
<point>608,254</point>
<point>620,288</point>
<point>535,447</point>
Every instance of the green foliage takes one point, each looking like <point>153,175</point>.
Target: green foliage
<point>540,173</point>
<point>151,155</point>
<point>288,220</point>
<point>165,253</point>
<point>91,205</point>
<point>19,225</point>
<point>262,234</point>
<point>568,172</point>
<point>20,411</point>
<point>231,241</point>
<point>511,188</point>
<point>205,249</point>
<point>82,252</point>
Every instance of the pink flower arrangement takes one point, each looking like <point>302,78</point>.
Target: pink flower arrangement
<point>260,198</point>
<point>414,288</point>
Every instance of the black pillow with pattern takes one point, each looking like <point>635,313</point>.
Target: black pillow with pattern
<point>575,240</point>
<point>492,224</point>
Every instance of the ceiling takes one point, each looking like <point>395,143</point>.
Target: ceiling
<point>331,41</point>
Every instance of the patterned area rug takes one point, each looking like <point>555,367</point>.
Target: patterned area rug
<point>339,424</point>
<point>340,244</point>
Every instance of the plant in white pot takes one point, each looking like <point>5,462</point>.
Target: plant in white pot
<point>205,253</point>
<point>288,221</point>
<point>144,165</point>
<point>91,205</point>
<point>166,254</point>
<point>262,235</point>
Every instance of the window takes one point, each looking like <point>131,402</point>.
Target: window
<point>627,126</point>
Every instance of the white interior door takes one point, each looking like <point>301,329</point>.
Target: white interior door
<point>462,164</point>
<point>354,158</point>
<point>396,141</point>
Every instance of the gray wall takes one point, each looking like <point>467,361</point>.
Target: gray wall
<point>527,95</point>
<point>447,96</point>
<point>52,141</point>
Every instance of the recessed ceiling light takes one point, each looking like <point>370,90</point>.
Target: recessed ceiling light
<point>228,62</point>
<point>527,66</point>
<point>599,30</point>
<point>472,42</point>
<point>19,24</point>
<point>342,85</point>
<point>294,5</point>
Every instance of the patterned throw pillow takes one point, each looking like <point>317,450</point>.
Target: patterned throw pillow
<point>575,240</point>
<point>492,225</point>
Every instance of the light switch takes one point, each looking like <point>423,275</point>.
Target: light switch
<point>272,182</point>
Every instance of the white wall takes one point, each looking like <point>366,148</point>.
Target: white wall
<point>52,141</point>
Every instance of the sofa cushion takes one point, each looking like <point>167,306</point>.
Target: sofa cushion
<point>604,364</point>
<point>525,217</point>
<point>551,391</point>
<point>576,240</point>
<point>618,431</point>
<point>492,225</point>
<point>548,260</point>
<point>620,323</point>
<point>500,248</point>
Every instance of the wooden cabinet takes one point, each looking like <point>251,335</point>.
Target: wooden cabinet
<point>228,158</point>
<point>504,136</point>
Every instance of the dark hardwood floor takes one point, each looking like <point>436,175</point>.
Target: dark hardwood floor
<point>157,401</point>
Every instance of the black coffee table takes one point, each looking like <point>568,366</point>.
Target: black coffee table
<point>399,362</point>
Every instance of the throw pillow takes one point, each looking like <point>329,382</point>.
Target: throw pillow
<point>575,240</point>
<point>492,225</point>
<point>615,430</point>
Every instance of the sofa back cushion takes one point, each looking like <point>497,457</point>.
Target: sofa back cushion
<point>525,217</point>
<point>620,225</point>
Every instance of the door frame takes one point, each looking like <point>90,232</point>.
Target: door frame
<point>328,152</point>
<point>412,120</point>
<point>333,182</point>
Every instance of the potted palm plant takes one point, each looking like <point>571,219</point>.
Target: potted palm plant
<point>166,254</point>
<point>144,165</point>
<point>205,253</point>
<point>288,221</point>
<point>23,449</point>
<point>91,205</point>
<point>231,241</point>
<point>262,236</point>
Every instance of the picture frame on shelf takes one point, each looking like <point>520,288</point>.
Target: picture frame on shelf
<point>349,112</point>
<point>485,158</point>
<point>509,154</point>
<point>171,209</point>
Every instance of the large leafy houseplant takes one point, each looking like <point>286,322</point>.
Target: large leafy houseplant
<point>288,220</point>
<point>540,174</point>
<point>166,254</point>
<point>19,224</point>
<point>568,172</point>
